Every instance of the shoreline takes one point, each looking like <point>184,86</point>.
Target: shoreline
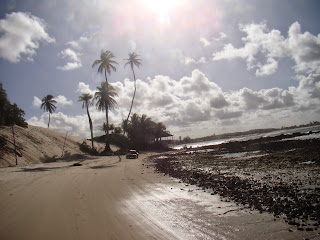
<point>278,177</point>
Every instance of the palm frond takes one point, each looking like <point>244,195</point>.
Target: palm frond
<point>106,63</point>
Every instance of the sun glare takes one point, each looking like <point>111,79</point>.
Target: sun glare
<point>162,8</point>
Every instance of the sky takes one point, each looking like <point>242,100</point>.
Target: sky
<point>208,66</point>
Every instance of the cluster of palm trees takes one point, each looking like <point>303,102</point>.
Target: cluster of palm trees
<point>143,131</point>
<point>105,94</point>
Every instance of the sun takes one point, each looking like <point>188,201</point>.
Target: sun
<point>162,8</point>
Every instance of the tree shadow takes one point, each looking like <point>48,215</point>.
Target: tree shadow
<point>41,169</point>
<point>66,158</point>
<point>102,166</point>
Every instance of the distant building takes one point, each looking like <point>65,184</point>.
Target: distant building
<point>164,139</point>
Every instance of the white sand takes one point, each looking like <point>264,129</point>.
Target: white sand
<point>107,199</point>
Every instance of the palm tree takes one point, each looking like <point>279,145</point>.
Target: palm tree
<point>159,129</point>
<point>133,60</point>
<point>104,127</point>
<point>106,64</point>
<point>85,98</point>
<point>105,101</point>
<point>48,105</point>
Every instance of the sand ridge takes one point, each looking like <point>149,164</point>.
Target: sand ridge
<point>37,144</point>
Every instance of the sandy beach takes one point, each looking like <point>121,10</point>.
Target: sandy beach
<point>108,199</point>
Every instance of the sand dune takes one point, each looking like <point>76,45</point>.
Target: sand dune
<point>37,144</point>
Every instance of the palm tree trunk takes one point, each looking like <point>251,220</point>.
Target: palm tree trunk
<point>134,93</point>
<point>107,147</point>
<point>90,124</point>
<point>49,120</point>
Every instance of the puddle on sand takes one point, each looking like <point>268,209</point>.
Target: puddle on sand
<point>185,212</point>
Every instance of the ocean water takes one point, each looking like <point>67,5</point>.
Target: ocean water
<point>255,136</point>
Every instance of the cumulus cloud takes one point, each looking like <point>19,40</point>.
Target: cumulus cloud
<point>79,43</point>
<point>63,101</point>
<point>204,42</point>
<point>221,37</point>
<point>303,48</point>
<point>20,35</point>
<point>75,54</point>
<point>195,102</point>
<point>72,58</point>
<point>269,68</point>
<point>266,99</point>
<point>202,60</point>
<point>225,114</point>
<point>218,101</point>
<point>36,102</point>
<point>77,125</point>
<point>84,88</point>
<point>132,45</point>
<point>185,60</point>
<point>188,60</point>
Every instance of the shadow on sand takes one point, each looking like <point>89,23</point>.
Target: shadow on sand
<point>41,169</point>
<point>102,166</point>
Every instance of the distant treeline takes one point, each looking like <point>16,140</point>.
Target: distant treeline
<point>236,134</point>
<point>10,114</point>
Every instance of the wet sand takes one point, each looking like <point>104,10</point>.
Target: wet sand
<point>107,199</point>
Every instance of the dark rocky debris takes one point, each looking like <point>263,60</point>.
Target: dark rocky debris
<point>279,177</point>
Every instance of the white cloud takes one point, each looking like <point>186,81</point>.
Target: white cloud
<point>221,37</point>
<point>78,44</point>
<point>188,60</point>
<point>36,102</point>
<point>204,42</point>
<point>218,101</point>
<point>76,125</point>
<point>84,88</point>
<point>202,60</point>
<point>79,52</point>
<point>185,60</point>
<point>21,34</point>
<point>132,45</point>
<point>269,68</point>
<point>63,101</point>
<point>196,103</point>
<point>225,114</point>
<point>303,48</point>
<point>72,57</point>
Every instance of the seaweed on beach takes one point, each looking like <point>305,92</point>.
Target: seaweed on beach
<point>282,180</point>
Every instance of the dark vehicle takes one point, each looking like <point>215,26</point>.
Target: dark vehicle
<point>132,154</point>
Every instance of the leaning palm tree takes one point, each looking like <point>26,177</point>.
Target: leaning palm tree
<point>105,101</point>
<point>48,105</point>
<point>133,60</point>
<point>86,99</point>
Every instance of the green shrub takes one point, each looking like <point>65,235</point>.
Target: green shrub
<point>84,147</point>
